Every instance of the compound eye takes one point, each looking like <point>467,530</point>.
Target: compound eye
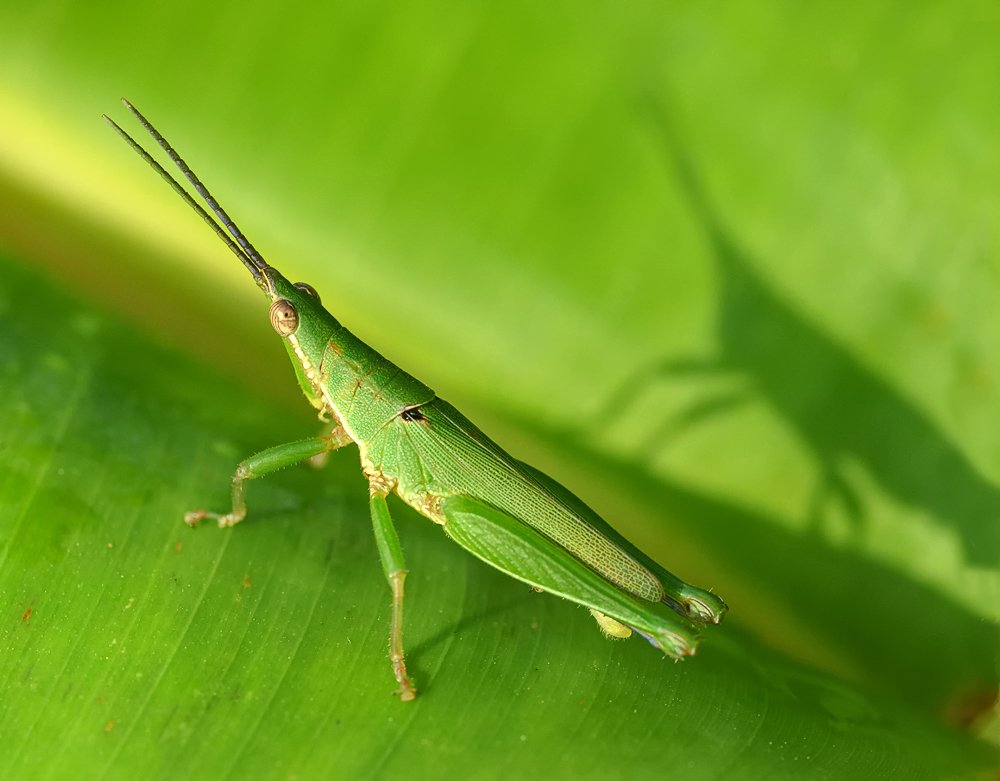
<point>305,287</point>
<point>284,317</point>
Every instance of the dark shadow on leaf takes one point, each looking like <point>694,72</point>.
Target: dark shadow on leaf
<point>839,409</point>
<point>468,622</point>
<point>903,637</point>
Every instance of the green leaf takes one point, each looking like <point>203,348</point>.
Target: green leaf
<point>137,645</point>
<point>728,272</point>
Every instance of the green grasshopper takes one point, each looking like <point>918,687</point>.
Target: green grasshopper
<point>420,447</point>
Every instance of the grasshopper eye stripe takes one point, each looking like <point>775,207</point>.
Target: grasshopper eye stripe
<point>419,447</point>
<point>284,317</point>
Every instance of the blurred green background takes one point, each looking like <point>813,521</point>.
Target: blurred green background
<point>729,271</point>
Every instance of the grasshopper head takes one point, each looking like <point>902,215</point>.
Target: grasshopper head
<point>306,328</point>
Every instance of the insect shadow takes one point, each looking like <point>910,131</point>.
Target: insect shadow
<point>862,621</point>
<point>841,411</point>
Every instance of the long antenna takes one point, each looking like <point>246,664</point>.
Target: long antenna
<point>241,247</point>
